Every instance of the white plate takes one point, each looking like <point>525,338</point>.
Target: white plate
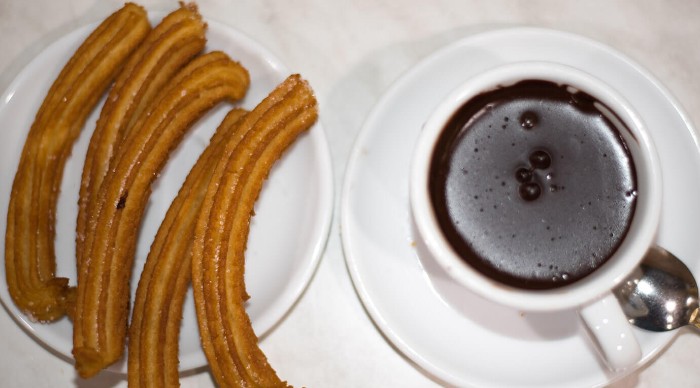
<point>450,333</point>
<point>293,213</point>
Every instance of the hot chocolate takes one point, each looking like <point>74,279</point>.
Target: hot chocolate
<point>533,184</point>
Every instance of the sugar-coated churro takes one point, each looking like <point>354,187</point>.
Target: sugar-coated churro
<point>169,46</point>
<point>221,233</point>
<point>157,313</point>
<point>102,301</point>
<point>161,87</point>
<point>30,260</point>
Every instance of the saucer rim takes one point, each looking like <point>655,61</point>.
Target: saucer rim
<point>368,126</point>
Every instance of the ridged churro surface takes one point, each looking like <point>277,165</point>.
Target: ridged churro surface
<point>167,48</point>
<point>155,323</point>
<point>102,301</point>
<point>221,233</point>
<point>161,85</point>
<point>30,261</point>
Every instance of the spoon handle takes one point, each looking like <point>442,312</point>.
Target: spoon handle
<point>696,324</point>
<point>695,319</point>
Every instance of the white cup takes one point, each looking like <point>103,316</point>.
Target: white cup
<point>592,295</point>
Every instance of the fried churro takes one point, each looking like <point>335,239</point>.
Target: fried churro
<point>168,47</point>
<point>221,233</point>
<point>102,302</point>
<point>155,324</point>
<point>30,259</point>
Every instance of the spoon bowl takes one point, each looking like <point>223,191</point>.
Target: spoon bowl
<point>661,295</point>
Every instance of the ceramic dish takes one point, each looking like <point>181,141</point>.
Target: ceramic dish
<point>454,335</point>
<point>282,252</point>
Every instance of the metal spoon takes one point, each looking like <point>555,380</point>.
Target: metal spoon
<point>661,295</point>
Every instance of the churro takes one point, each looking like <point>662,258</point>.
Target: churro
<point>168,47</point>
<point>102,302</point>
<point>157,313</point>
<point>221,234</point>
<point>30,260</point>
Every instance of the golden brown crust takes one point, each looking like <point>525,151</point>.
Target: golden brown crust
<point>155,99</point>
<point>169,46</point>
<point>101,314</point>
<point>220,238</point>
<point>29,240</point>
<point>153,335</point>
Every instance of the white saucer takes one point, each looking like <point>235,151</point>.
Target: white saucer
<point>293,213</point>
<point>456,336</point>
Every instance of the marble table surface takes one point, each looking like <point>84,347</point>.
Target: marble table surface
<point>351,52</point>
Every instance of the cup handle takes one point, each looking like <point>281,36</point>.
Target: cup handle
<point>611,332</point>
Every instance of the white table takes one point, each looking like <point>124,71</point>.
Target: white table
<point>351,51</point>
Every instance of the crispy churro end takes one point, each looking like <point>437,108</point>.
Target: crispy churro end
<point>136,8</point>
<point>190,6</point>
<point>194,9</point>
<point>194,13</point>
<point>313,102</point>
<point>88,362</point>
